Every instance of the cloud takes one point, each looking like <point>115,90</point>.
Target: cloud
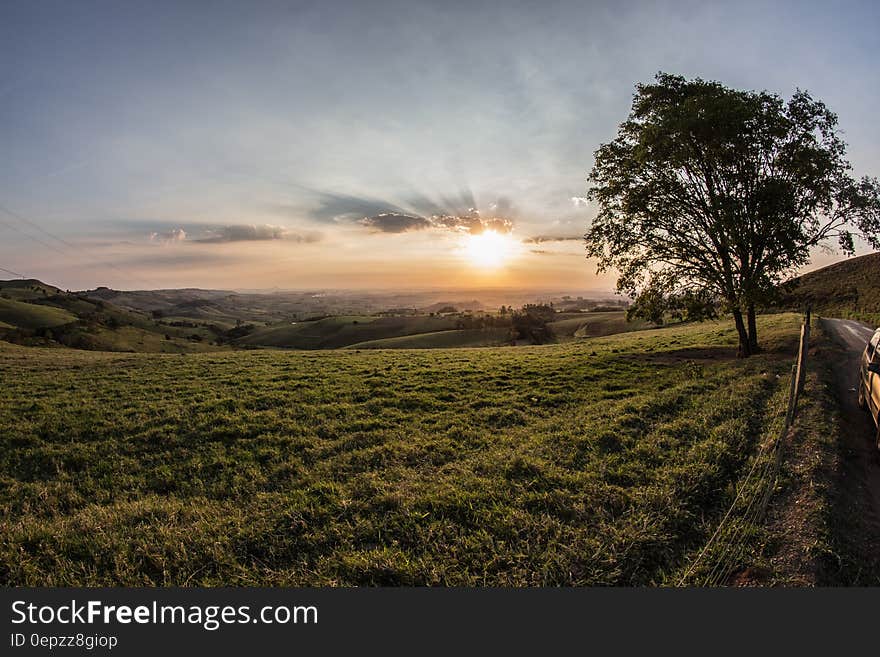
<point>254,233</point>
<point>169,236</point>
<point>183,257</point>
<point>451,212</point>
<point>542,239</point>
<point>580,201</point>
<point>553,253</point>
<point>391,222</point>
<point>471,222</point>
<point>336,208</point>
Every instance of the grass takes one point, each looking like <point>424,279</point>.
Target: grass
<point>589,325</point>
<point>821,529</point>
<point>441,339</point>
<point>134,339</point>
<point>603,461</point>
<point>849,289</point>
<point>26,289</point>
<point>345,330</point>
<point>32,316</point>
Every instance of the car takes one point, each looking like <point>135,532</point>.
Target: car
<point>869,380</point>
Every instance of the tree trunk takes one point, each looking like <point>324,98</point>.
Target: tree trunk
<point>753,330</point>
<point>744,350</point>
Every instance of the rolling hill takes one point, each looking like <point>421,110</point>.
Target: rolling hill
<point>850,288</point>
<point>31,315</point>
<point>595,324</point>
<point>489,337</point>
<point>36,314</point>
<point>345,330</point>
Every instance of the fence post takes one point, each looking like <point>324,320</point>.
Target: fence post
<point>801,367</point>
<point>789,413</point>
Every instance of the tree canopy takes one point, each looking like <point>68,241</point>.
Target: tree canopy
<point>711,192</point>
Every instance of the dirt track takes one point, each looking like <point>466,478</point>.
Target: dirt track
<point>860,481</point>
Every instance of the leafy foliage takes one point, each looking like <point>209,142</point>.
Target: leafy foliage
<point>712,191</point>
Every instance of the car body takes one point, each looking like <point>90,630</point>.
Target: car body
<point>869,380</point>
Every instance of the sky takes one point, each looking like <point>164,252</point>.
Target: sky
<point>352,145</point>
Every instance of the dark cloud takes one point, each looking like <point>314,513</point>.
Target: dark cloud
<point>335,208</point>
<point>472,222</point>
<point>452,212</point>
<point>254,233</point>
<point>390,222</point>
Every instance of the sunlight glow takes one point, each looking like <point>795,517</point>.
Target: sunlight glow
<point>489,249</point>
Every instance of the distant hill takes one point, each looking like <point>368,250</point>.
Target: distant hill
<point>31,315</point>
<point>345,330</point>
<point>850,288</point>
<point>489,337</point>
<point>34,313</point>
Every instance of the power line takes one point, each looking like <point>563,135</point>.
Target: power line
<point>67,244</point>
<point>34,224</point>
<point>31,237</point>
<point>14,273</point>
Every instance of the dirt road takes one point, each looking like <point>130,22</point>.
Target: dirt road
<point>859,485</point>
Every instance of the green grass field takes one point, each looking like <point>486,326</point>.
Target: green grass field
<point>31,316</point>
<point>488,337</point>
<point>344,330</point>
<point>602,461</point>
<point>590,325</point>
<point>134,339</point>
<point>849,288</point>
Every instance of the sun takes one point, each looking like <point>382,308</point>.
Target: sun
<point>489,249</point>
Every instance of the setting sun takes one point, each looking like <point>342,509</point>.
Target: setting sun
<point>490,249</point>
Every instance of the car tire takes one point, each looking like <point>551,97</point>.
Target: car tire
<point>863,403</point>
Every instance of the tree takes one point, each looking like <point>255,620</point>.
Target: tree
<point>718,193</point>
<point>531,323</point>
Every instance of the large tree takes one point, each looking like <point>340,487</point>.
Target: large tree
<point>708,190</point>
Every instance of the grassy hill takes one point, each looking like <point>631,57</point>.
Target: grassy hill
<point>345,330</point>
<point>175,321</point>
<point>33,313</point>
<point>595,324</point>
<point>27,289</point>
<point>600,461</point>
<point>489,337</point>
<point>850,288</point>
<point>32,316</point>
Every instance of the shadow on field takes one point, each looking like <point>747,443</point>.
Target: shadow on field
<point>688,353</point>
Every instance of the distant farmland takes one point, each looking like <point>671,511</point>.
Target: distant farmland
<point>600,461</point>
<point>424,331</point>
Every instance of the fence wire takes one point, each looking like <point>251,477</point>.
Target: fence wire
<point>727,547</point>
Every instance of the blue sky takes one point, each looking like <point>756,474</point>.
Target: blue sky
<point>240,145</point>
